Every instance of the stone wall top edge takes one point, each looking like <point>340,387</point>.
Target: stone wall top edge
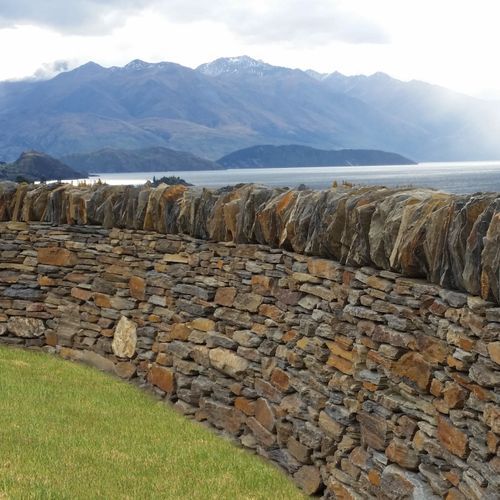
<point>449,240</point>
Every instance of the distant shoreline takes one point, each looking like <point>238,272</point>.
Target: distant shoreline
<point>453,177</point>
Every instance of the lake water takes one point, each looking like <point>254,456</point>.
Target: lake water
<point>453,177</point>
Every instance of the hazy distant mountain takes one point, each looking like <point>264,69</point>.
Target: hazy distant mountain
<point>154,159</point>
<point>35,166</point>
<point>237,102</point>
<point>303,156</point>
<point>452,126</point>
<point>316,75</point>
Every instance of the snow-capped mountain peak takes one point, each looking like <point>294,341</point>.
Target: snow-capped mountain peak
<point>137,65</point>
<point>240,64</point>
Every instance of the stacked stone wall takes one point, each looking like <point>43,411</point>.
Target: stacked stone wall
<point>360,383</point>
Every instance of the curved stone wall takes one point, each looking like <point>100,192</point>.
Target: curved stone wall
<point>360,383</point>
<point>450,240</point>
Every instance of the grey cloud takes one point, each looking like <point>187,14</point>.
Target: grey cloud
<point>84,17</point>
<point>297,22</point>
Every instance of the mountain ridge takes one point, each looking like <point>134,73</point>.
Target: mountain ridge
<point>241,102</point>
<point>154,159</point>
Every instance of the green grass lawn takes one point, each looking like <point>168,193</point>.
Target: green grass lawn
<point>68,431</point>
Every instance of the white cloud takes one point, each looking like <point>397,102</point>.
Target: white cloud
<point>305,23</point>
<point>51,69</point>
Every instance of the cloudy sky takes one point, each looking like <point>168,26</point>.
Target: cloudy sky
<point>449,42</point>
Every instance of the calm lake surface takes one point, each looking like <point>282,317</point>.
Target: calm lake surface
<point>456,177</point>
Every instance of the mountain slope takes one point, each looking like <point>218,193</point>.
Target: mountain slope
<point>238,102</point>
<point>303,156</point>
<point>452,126</point>
<point>155,159</point>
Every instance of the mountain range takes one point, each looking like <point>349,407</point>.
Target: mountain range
<point>233,103</point>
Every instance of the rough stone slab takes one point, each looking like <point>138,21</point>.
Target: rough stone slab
<point>25,327</point>
<point>125,338</point>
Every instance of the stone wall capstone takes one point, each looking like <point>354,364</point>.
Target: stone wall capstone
<point>360,383</point>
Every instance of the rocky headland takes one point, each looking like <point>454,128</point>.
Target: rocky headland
<point>35,166</point>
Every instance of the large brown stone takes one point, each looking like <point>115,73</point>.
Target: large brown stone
<point>203,324</point>
<point>247,302</point>
<point>494,351</point>
<point>56,256</point>
<point>309,479</point>
<point>413,367</point>
<point>280,379</point>
<point>341,491</point>
<point>228,362</point>
<point>268,391</point>
<point>323,268</point>
<point>137,286</point>
<point>179,331</point>
<point>102,300</point>
<point>433,350</point>
<point>247,406</point>
<point>222,416</point>
<point>374,430</point>
<point>330,426</point>
<point>400,452</point>
<point>452,438</point>
<point>265,414</point>
<point>399,484</point>
<point>234,317</point>
<point>271,311</point>
<point>81,293</point>
<point>225,296</point>
<point>455,395</point>
<point>262,284</point>
<point>125,370</point>
<point>263,436</point>
<point>163,378</point>
<point>298,450</point>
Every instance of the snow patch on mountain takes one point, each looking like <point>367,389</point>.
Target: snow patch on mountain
<point>240,64</point>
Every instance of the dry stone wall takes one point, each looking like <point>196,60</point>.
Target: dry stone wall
<point>360,383</point>
<point>450,240</point>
